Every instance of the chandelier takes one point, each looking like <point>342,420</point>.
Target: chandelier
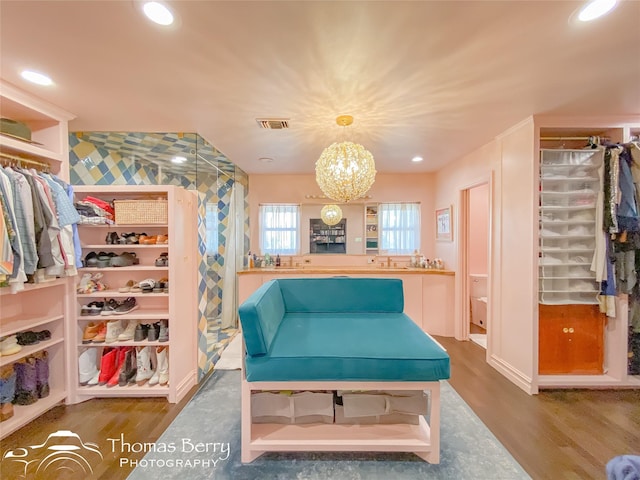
<point>331,214</point>
<point>345,171</point>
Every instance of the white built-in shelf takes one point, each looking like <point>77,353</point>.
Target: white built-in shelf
<point>29,350</point>
<point>132,268</point>
<point>128,343</point>
<point>128,246</point>
<point>23,414</point>
<point>11,325</point>
<point>126,391</point>
<point>136,228</point>
<point>116,294</point>
<point>138,314</point>
<point>28,287</point>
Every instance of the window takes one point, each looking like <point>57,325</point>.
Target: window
<point>399,225</point>
<point>279,227</point>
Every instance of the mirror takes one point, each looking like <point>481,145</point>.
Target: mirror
<point>354,215</point>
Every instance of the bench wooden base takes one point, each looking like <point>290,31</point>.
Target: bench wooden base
<point>422,439</point>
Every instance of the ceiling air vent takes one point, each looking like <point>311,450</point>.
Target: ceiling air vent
<point>273,123</point>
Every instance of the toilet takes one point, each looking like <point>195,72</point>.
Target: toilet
<point>478,297</point>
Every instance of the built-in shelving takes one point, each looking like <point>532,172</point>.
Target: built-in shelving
<point>178,307</point>
<point>39,306</point>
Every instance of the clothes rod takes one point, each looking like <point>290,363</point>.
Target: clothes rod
<point>13,158</point>
<point>574,138</point>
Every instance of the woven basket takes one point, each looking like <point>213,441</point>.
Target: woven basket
<point>132,212</point>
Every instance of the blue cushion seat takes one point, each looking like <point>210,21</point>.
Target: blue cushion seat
<point>336,329</point>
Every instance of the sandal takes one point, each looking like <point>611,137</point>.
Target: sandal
<point>162,260</point>
<point>147,285</point>
<point>162,239</point>
<point>127,288</point>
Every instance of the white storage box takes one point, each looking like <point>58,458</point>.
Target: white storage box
<point>303,407</point>
<point>363,404</point>
<point>375,419</point>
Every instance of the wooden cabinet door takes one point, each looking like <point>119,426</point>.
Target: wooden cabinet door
<point>571,339</point>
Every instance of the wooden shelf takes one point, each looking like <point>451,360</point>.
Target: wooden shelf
<point>116,294</point>
<point>29,350</point>
<point>334,437</point>
<point>138,314</point>
<point>13,325</point>
<point>127,391</point>
<point>29,287</point>
<point>23,414</point>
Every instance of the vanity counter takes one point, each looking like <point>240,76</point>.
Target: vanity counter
<point>373,270</point>
<point>429,294</point>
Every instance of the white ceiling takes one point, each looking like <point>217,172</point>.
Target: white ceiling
<point>432,78</point>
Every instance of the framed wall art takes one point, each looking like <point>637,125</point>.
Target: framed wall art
<point>444,224</point>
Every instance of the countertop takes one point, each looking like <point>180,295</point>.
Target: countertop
<point>376,270</point>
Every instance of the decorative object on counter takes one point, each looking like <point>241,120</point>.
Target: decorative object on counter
<point>331,214</point>
<point>444,230</point>
<point>345,171</point>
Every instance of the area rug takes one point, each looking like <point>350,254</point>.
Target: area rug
<point>203,442</point>
<point>231,358</point>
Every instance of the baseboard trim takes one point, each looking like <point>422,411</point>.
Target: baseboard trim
<point>513,374</point>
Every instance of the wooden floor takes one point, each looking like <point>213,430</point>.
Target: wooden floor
<point>560,434</point>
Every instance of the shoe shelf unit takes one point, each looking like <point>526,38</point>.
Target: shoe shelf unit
<point>371,228</point>
<point>178,307</point>
<point>569,186</point>
<point>38,307</point>
<point>49,130</point>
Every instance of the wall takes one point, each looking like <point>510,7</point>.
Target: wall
<point>478,229</point>
<point>387,188</point>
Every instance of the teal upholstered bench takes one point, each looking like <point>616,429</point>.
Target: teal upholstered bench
<point>336,329</point>
<point>337,333</point>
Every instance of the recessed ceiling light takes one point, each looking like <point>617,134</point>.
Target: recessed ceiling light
<point>417,159</point>
<point>158,13</point>
<point>36,77</point>
<point>266,159</point>
<point>595,9</point>
<point>179,159</point>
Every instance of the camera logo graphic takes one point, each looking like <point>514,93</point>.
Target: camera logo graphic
<point>62,455</point>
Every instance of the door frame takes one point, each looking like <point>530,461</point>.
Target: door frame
<point>464,317</point>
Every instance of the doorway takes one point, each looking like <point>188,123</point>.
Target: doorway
<point>477,224</point>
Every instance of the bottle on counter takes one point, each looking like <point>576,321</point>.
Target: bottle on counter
<point>249,260</point>
<point>278,260</point>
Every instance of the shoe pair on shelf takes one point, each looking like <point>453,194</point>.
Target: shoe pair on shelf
<point>9,346</point>
<point>113,307</point>
<point>31,338</point>
<point>124,366</point>
<point>24,382</point>
<point>110,259</point>
<point>153,239</point>
<point>162,260</point>
<point>156,332</point>
<point>131,238</point>
<point>149,285</point>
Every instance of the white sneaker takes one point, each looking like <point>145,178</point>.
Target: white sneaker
<point>161,375</point>
<point>87,369</point>
<point>114,329</point>
<point>128,332</point>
